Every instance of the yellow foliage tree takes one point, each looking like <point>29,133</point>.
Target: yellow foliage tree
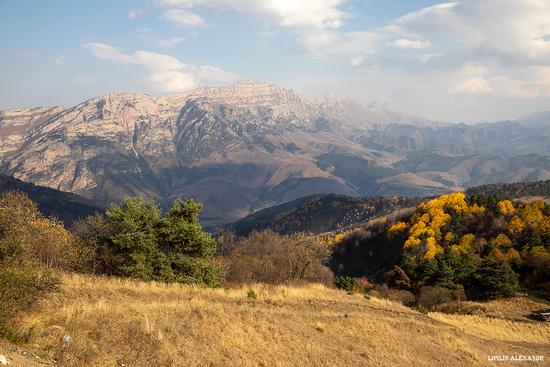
<point>516,225</point>
<point>432,248</point>
<point>502,241</point>
<point>398,227</point>
<point>531,214</point>
<point>465,243</point>
<point>53,245</point>
<point>432,216</point>
<point>505,207</point>
<point>449,237</point>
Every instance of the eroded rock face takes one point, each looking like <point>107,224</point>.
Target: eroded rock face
<point>14,124</point>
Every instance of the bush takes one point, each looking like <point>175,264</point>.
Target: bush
<point>20,287</point>
<point>251,294</point>
<point>461,308</point>
<point>27,236</point>
<point>402,296</point>
<point>268,257</point>
<point>423,310</point>
<point>349,284</point>
<point>431,296</point>
<point>30,247</point>
<point>90,231</point>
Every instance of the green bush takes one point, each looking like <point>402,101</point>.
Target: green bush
<point>423,310</point>
<point>251,294</point>
<point>349,284</point>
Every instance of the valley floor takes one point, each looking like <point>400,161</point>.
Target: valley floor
<point>114,322</point>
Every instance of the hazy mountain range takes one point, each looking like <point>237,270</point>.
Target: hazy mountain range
<point>248,146</point>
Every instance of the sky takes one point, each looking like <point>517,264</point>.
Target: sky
<point>461,61</point>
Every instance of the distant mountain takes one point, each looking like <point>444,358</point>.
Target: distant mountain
<point>248,146</point>
<point>53,203</point>
<point>320,213</point>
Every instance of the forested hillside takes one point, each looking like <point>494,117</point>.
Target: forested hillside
<point>320,213</point>
<point>487,247</point>
<point>512,190</point>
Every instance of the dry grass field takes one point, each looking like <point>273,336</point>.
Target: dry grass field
<point>119,322</point>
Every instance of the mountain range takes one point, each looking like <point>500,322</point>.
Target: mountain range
<point>251,145</point>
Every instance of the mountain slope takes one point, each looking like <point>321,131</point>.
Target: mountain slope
<point>320,213</point>
<point>53,203</point>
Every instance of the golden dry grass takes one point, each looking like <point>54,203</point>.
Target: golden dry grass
<point>115,322</point>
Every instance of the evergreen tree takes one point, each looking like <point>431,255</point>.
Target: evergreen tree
<point>190,250</point>
<point>493,279</point>
<point>444,276</point>
<point>145,245</point>
<point>131,250</point>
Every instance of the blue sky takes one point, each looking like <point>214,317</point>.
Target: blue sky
<point>470,60</point>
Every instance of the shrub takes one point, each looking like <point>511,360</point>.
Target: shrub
<point>268,257</point>
<point>423,310</point>
<point>402,296</point>
<point>461,308</point>
<point>20,287</point>
<point>90,231</point>
<point>251,294</point>
<point>27,236</point>
<point>431,296</point>
<point>349,284</point>
<point>30,246</point>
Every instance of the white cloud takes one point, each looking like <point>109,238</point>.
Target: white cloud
<point>137,13</point>
<point>32,56</point>
<point>185,18</point>
<point>166,73</point>
<point>163,42</point>
<point>106,52</point>
<point>60,60</point>
<point>168,42</point>
<point>356,61</point>
<point>320,14</point>
<point>407,43</point>
<point>339,44</point>
<point>511,31</point>
<point>472,85</point>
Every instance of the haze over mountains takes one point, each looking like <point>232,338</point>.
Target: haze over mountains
<point>251,145</point>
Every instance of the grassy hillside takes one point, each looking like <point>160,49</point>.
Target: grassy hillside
<point>116,322</point>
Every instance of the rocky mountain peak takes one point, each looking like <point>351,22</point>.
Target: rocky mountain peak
<point>247,95</point>
<point>378,106</point>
